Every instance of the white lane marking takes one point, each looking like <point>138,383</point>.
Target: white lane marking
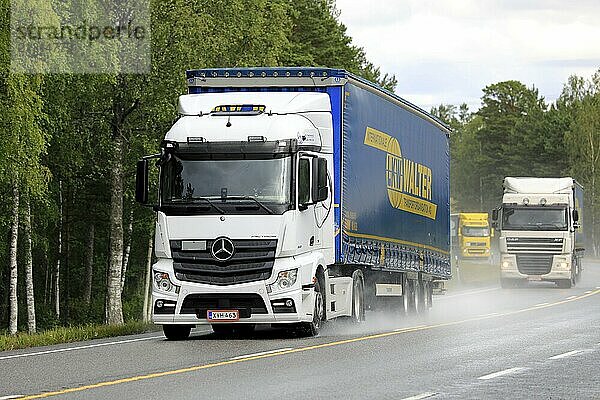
<point>588,292</point>
<point>409,327</point>
<point>565,355</point>
<point>89,346</point>
<point>489,315</point>
<point>13,396</point>
<point>460,294</point>
<point>571,297</point>
<point>597,287</point>
<point>501,373</point>
<point>425,395</point>
<point>541,304</point>
<point>262,353</point>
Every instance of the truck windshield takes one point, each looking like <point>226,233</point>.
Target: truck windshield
<point>227,186</point>
<point>535,218</point>
<point>476,231</point>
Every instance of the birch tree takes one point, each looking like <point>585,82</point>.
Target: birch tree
<point>31,326</point>
<point>14,234</point>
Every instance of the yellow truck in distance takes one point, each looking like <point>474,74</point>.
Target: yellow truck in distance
<point>473,235</point>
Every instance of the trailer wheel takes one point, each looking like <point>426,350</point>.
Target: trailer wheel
<point>177,332</point>
<point>312,328</point>
<point>358,297</point>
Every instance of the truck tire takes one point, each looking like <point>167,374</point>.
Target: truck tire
<point>177,332</point>
<point>312,328</point>
<point>358,297</point>
<point>564,284</point>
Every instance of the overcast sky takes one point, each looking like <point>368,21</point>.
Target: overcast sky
<point>446,51</point>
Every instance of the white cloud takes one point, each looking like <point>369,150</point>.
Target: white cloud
<point>447,51</point>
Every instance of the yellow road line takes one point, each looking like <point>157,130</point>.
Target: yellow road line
<point>298,350</point>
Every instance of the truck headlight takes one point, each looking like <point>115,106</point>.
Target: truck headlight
<point>285,280</point>
<point>563,265</point>
<point>163,283</point>
<point>506,264</point>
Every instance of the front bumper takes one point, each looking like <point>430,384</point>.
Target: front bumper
<point>303,300</point>
<point>475,252</point>
<point>560,269</point>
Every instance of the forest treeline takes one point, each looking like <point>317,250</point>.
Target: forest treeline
<point>516,132</point>
<point>75,247</point>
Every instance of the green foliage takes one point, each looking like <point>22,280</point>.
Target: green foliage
<point>58,130</point>
<point>514,133</point>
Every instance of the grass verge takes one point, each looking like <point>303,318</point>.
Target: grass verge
<point>72,334</point>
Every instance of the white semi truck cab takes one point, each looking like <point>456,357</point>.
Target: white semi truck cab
<point>280,201</point>
<point>540,231</point>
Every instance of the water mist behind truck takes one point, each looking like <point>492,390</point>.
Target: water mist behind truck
<point>291,196</point>
<point>541,238</point>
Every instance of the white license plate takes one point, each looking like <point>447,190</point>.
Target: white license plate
<point>534,278</point>
<point>222,315</point>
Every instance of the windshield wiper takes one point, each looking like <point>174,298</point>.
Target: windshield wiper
<point>207,200</point>
<point>254,199</point>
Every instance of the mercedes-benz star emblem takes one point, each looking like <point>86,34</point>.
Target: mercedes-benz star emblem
<point>222,249</point>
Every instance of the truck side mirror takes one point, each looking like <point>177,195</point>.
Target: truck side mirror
<point>575,216</point>
<point>303,183</point>
<point>141,182</point>
<point>320,191</point>
<point>495,214</point>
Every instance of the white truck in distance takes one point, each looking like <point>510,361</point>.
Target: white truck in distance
<point>541,238</point>
<point>285,198</point>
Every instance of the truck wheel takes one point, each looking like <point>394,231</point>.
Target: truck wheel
<point>177,332</point>
<point>564,284</point>
<point>312,328</point>
<point>358,296</point>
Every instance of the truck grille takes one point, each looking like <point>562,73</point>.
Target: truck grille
<point>246,304</point>
<point>522,245</point>
<point>534,264</point>
<point>252,261</point>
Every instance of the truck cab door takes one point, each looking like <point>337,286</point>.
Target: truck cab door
<point>305,222</point>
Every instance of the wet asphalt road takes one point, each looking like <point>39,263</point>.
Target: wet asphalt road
<point>526,343</point>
